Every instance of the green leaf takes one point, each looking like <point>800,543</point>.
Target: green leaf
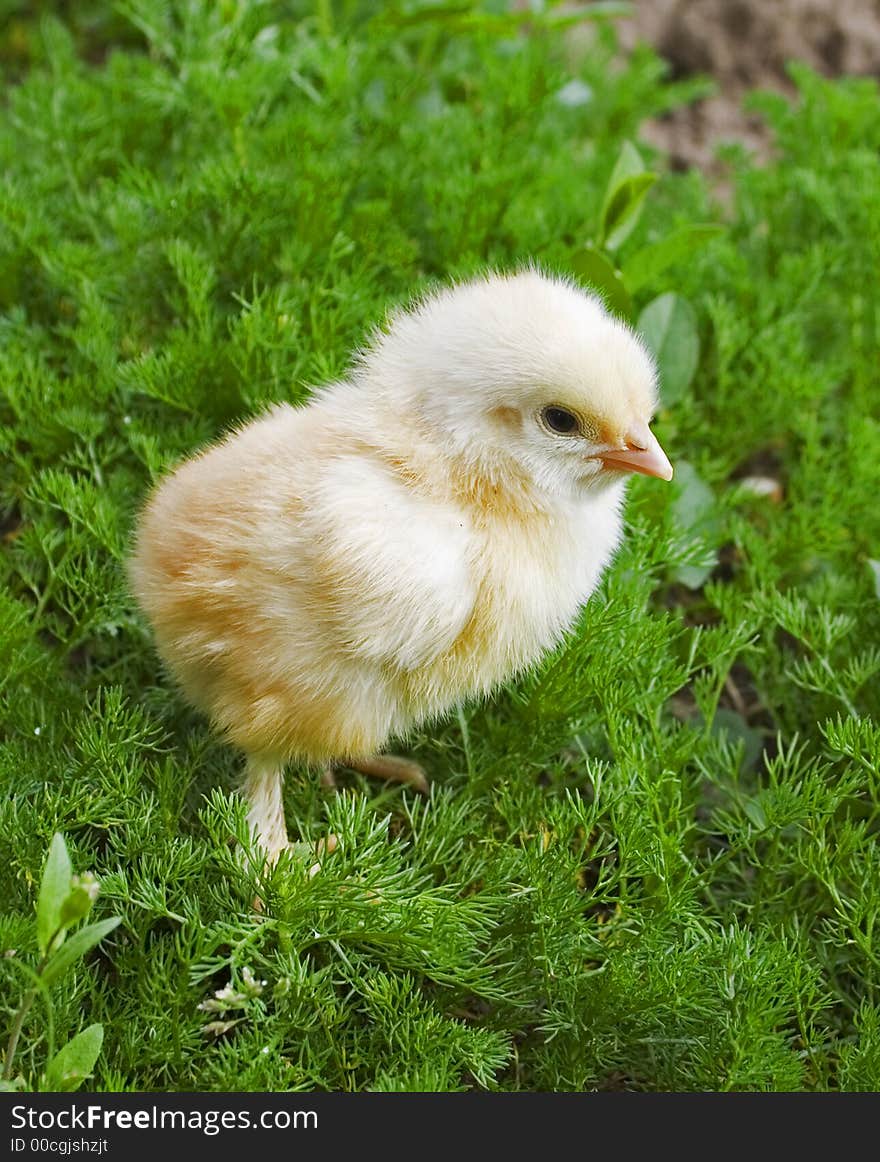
<point>74,1062</point>
<point>644,266</point>
<point>755,813</point>
<point>75,907</point>
<point>591,265</point>
<point>875,569</point>
<point>624,197</point>
<point>669,327</point>
<point>625,210</point>
<point>695,499</point>
<point>629,163</point>
<point>732,724</point>
<point>694,511</point>
<point>76,946</point>
<point>54,890</point>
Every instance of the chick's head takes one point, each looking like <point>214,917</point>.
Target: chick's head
<point>523,373</point>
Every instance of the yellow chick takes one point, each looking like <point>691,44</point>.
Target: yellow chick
<point>331,575</point>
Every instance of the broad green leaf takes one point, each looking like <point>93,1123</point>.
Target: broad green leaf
<point>629,163</point>
<point>76,946</point>
<point>736,728</point>
<point>732,724</point>
<point>694,501</point>
<point>694,511</point>
<point>875,569</point>
<point>669,327</point>
<point>625,210</point>
<point>624,197</point>
<point>54,890</point>
<point>79,900</point>
<point>596,269</point>
<point>643,266</point>
<point>755,813</point>
<point>74,1062</point>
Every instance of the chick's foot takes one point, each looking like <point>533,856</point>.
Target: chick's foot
<point>393,768</point>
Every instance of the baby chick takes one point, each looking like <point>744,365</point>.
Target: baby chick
<point>331,575</point>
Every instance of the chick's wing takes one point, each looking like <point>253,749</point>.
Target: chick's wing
<point>392,563</point>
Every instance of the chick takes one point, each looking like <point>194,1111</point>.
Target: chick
<point>331,575</point>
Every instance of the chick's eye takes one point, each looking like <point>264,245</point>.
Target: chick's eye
<point>560,420</point>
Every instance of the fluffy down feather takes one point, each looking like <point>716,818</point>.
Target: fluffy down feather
<point>330,575</point>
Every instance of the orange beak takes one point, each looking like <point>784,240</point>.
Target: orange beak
<point>641,453</point>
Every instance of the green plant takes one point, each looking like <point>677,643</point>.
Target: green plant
<point>64,900</point>
<point>653,864</point>
<point>668,322</point>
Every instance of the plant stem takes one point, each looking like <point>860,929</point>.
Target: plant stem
<point>466,741</point>
<point>23,1010</point>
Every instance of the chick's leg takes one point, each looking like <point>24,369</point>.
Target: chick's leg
<point>393,768</point>
<point>262,791</point>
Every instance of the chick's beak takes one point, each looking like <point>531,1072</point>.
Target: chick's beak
<point>641,453</point>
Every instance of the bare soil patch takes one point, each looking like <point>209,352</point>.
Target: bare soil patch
<point>745,45</point>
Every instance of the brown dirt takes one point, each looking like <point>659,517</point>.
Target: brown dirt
<point>744,45</point>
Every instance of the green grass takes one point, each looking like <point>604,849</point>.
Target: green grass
<point>654,864</point>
